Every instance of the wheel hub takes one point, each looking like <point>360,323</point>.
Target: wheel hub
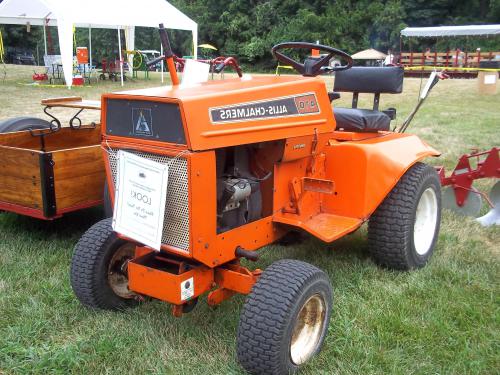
<point>117,271</point>
<point>308,329</point>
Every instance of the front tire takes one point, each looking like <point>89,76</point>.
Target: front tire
<point>285,318</point>
<point>98,269</point>
<point>403,231</point>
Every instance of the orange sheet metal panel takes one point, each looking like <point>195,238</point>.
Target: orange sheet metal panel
<point>365,171</point>
<point>288,181</point>
<point>146,142</point>
<point>251,236</point>
<point>209,125</point>
<point>203,208</point>
<point>236,278</point>
<point>326,227</point>
<point>168,286</point>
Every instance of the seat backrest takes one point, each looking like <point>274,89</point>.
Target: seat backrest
<point>371,80</point>
<point>375,80</point>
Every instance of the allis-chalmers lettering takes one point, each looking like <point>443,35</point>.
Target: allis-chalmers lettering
<point>299,105</point>
<point>252,112</point>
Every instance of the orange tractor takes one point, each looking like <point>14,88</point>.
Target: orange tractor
<point>202,176</point>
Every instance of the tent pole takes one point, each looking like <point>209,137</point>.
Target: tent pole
<point>120,55</point>
<point>45,36</point>
<point>90,47</point>
<point>161,64</point>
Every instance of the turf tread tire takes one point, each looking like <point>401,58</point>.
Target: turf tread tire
<point>390,228</point>
<point>89,268</point>
<point>264,329</point>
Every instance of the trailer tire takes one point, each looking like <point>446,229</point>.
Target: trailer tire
<point>285,318</point>
<point>16,124</point>
<point>98,269</point>
<point>403,231</point>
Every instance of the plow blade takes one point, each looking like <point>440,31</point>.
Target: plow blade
<point>471,206</point>
<point>493,216</point>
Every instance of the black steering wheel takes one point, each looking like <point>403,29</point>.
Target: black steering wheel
<point>312,66</point>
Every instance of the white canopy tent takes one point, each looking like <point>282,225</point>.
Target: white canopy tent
<point>369,54</point>
<point>441,31</point>
<point>110,14</point>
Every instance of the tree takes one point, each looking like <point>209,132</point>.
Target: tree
<point>248,29</point>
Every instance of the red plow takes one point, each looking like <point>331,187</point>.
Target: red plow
<point>461,197</point>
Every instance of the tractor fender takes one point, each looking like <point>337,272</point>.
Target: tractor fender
<point>365,171</point>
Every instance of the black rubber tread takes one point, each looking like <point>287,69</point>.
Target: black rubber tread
<point>108,206</point>
<point>23,123</point>
<point>89,267</point>
<point>266,321</point>
<point>390,228</point>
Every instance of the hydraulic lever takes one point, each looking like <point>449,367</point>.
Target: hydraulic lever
<point>168,56</point>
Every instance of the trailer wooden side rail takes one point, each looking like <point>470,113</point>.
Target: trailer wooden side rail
<point>47,173</point>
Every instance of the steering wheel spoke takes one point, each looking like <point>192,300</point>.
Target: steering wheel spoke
<point>287,60</point>
<point>323,61</point>
<point>311,68</point>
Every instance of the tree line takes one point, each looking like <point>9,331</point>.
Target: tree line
<point>249,28</point>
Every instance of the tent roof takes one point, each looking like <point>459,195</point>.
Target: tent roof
<point>95,13</point>
<point>369,54</point>
<point>451,30</point>
<point>112,14</point>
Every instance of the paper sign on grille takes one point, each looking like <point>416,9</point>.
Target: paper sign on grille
<point>140,195</point>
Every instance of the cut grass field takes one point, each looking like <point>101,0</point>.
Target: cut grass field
<point>443,319</point>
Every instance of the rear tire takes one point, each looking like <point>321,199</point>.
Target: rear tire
<point>16,124</point>
<point>403,231</point>
<point>285,318</point>
<point>98,269</point>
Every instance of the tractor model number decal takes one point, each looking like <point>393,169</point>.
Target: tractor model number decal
<point>298,105</point>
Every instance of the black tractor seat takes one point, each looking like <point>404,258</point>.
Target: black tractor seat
<point>361,120</point>
<point>374,80</point>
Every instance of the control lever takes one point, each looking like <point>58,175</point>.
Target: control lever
<point>168,55</point>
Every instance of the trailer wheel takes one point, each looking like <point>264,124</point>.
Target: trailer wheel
<point>285,318</point>
<point>99,269</point>
<point>16,124</point>
<point>403,231</point>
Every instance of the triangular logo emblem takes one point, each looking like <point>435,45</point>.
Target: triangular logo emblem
<point>142,122</point>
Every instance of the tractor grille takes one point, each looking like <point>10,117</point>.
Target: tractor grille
<point>176,223</point>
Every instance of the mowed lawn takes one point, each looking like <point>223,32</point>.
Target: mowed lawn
<point>443,319</point>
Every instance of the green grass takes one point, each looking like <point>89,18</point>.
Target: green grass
<point>443,319</point>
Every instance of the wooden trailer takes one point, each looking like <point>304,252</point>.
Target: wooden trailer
<point>49,172</point>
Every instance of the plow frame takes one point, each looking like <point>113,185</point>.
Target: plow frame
<point>464,174</point>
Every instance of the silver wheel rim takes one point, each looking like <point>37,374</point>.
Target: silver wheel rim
<point>424,228</point>
<point>117,271</point>
<point>308,329</point>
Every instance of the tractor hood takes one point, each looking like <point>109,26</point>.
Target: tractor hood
<point>221,113</point>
